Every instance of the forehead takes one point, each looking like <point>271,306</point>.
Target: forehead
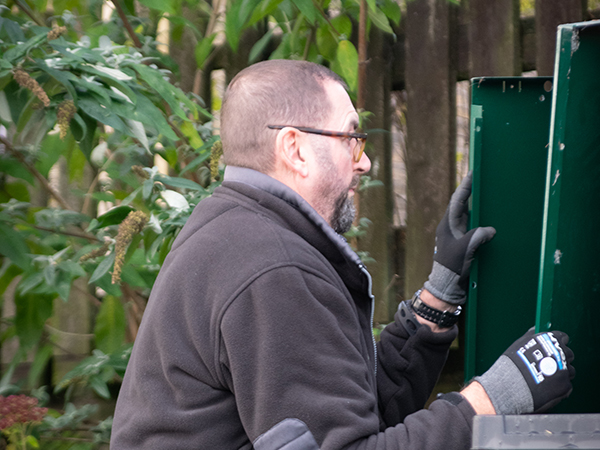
<point>343,114</point>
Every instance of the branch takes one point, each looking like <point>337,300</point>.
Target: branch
<point>89,237</point>
<point>309,41</point>
<point>36,174</point>
<point>127,24</point>
<point>26,10</point>
<point>89,296</point>
<point>318,6</point>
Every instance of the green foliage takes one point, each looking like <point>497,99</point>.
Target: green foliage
<point>83,97</point>
<point>94,104</point>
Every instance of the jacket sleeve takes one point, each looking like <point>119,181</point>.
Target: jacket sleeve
<point>291,348</point>
<point>408,368</point>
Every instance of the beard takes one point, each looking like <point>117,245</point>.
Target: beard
<point>343,214</point>
<point>344,210</point>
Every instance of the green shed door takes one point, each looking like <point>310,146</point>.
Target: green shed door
<point>510,120</point>
<point>569,288</point>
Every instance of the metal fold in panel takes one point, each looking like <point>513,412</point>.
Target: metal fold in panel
<point>510,120</point>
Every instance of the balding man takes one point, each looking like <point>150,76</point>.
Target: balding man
<point>258,332</point>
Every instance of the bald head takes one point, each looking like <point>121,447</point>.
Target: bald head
<point>277,92</point>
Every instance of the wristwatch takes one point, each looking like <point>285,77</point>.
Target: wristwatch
<point>444,319</point>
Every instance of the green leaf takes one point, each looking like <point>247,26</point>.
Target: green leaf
<point>234,23</point>
<point>30,281</point>
<point>343,25</point>
<point>63,78</point>
<point>265,8</point>
<point>392,11</point>
<point>100,387</point>
<point>150,115</point>
<point>164,6</point>
<point>203,49</point>
<point>76,160</point>
<point>113,216</point>
<point>83,128</point>
<point>347,58</point>
<point>9,272</point>
<point>372,5</point>
<point>260,45</point>
<point>190,132</point>
<point>103,267</point>
<point>51,150</point>
<point>72,268</point>
<point>326,42</point>
<point>32,311</point>
<point>131,276</point>
<point>32,441</point>
<point>180,182</point>
<point>283,51</point>
<point>162,87</point>
<point>40,362</point>
<point>18,51</point>
<point>380,20</point>
<point>93,87</point>
<point>307,8</point>
<point>13,30</point>
<point>50,274</point>
<point>109,330</point>
<point>103,115</point>
<point>16,169</point>
<point>13,246</point>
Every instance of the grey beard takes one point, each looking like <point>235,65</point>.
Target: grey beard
<point>343,214</point>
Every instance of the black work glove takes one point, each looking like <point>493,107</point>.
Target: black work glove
<point>532,375</point>
<point>455,248</point>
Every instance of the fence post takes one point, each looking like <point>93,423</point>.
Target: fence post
<point>377,203</point>
<point>548,15</point>
<point>494,38</point>
<point>431,129</point>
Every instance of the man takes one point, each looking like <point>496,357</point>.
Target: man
<point>258,330</point>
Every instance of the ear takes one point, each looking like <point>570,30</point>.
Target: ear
<point>291,151</point>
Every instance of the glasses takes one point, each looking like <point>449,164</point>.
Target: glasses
<point>358,147</point>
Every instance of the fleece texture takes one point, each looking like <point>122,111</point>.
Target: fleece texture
<point>261,313</point>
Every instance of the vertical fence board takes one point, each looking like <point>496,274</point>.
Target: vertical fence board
<point>431,129</point>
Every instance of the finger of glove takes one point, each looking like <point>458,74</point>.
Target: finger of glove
<point>477,237</point>
<point>458,207</point>
<point>563,339</point>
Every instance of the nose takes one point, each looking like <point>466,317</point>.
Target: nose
<point>363,165</point>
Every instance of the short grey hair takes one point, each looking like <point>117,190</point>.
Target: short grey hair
<point>276,92</point>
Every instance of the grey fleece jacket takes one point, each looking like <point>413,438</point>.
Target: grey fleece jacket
<point>258,335</point>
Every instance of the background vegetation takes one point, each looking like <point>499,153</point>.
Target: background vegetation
<point>89,111</point>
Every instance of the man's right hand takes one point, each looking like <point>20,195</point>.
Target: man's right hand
<point>532,375</point>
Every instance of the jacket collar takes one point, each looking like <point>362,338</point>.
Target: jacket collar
<point>274,187</point>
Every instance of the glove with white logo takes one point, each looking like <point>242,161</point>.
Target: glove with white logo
<point>532,375</point>
<point>455,248</point>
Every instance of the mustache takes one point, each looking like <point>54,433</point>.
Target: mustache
<point>355,182</point>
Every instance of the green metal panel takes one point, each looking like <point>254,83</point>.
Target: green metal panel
<point>569,284</point>
<point>510,120</point>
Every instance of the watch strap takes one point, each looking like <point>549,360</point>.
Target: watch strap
<point>444,319</point>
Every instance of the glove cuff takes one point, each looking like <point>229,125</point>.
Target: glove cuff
<point>443,284</point>
<point>506,388</point>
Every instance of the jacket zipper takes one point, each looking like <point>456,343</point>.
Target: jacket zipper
<point>372,297</point>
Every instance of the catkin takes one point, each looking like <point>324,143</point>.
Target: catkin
<point>132,225</point>
<point>25,80</point>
